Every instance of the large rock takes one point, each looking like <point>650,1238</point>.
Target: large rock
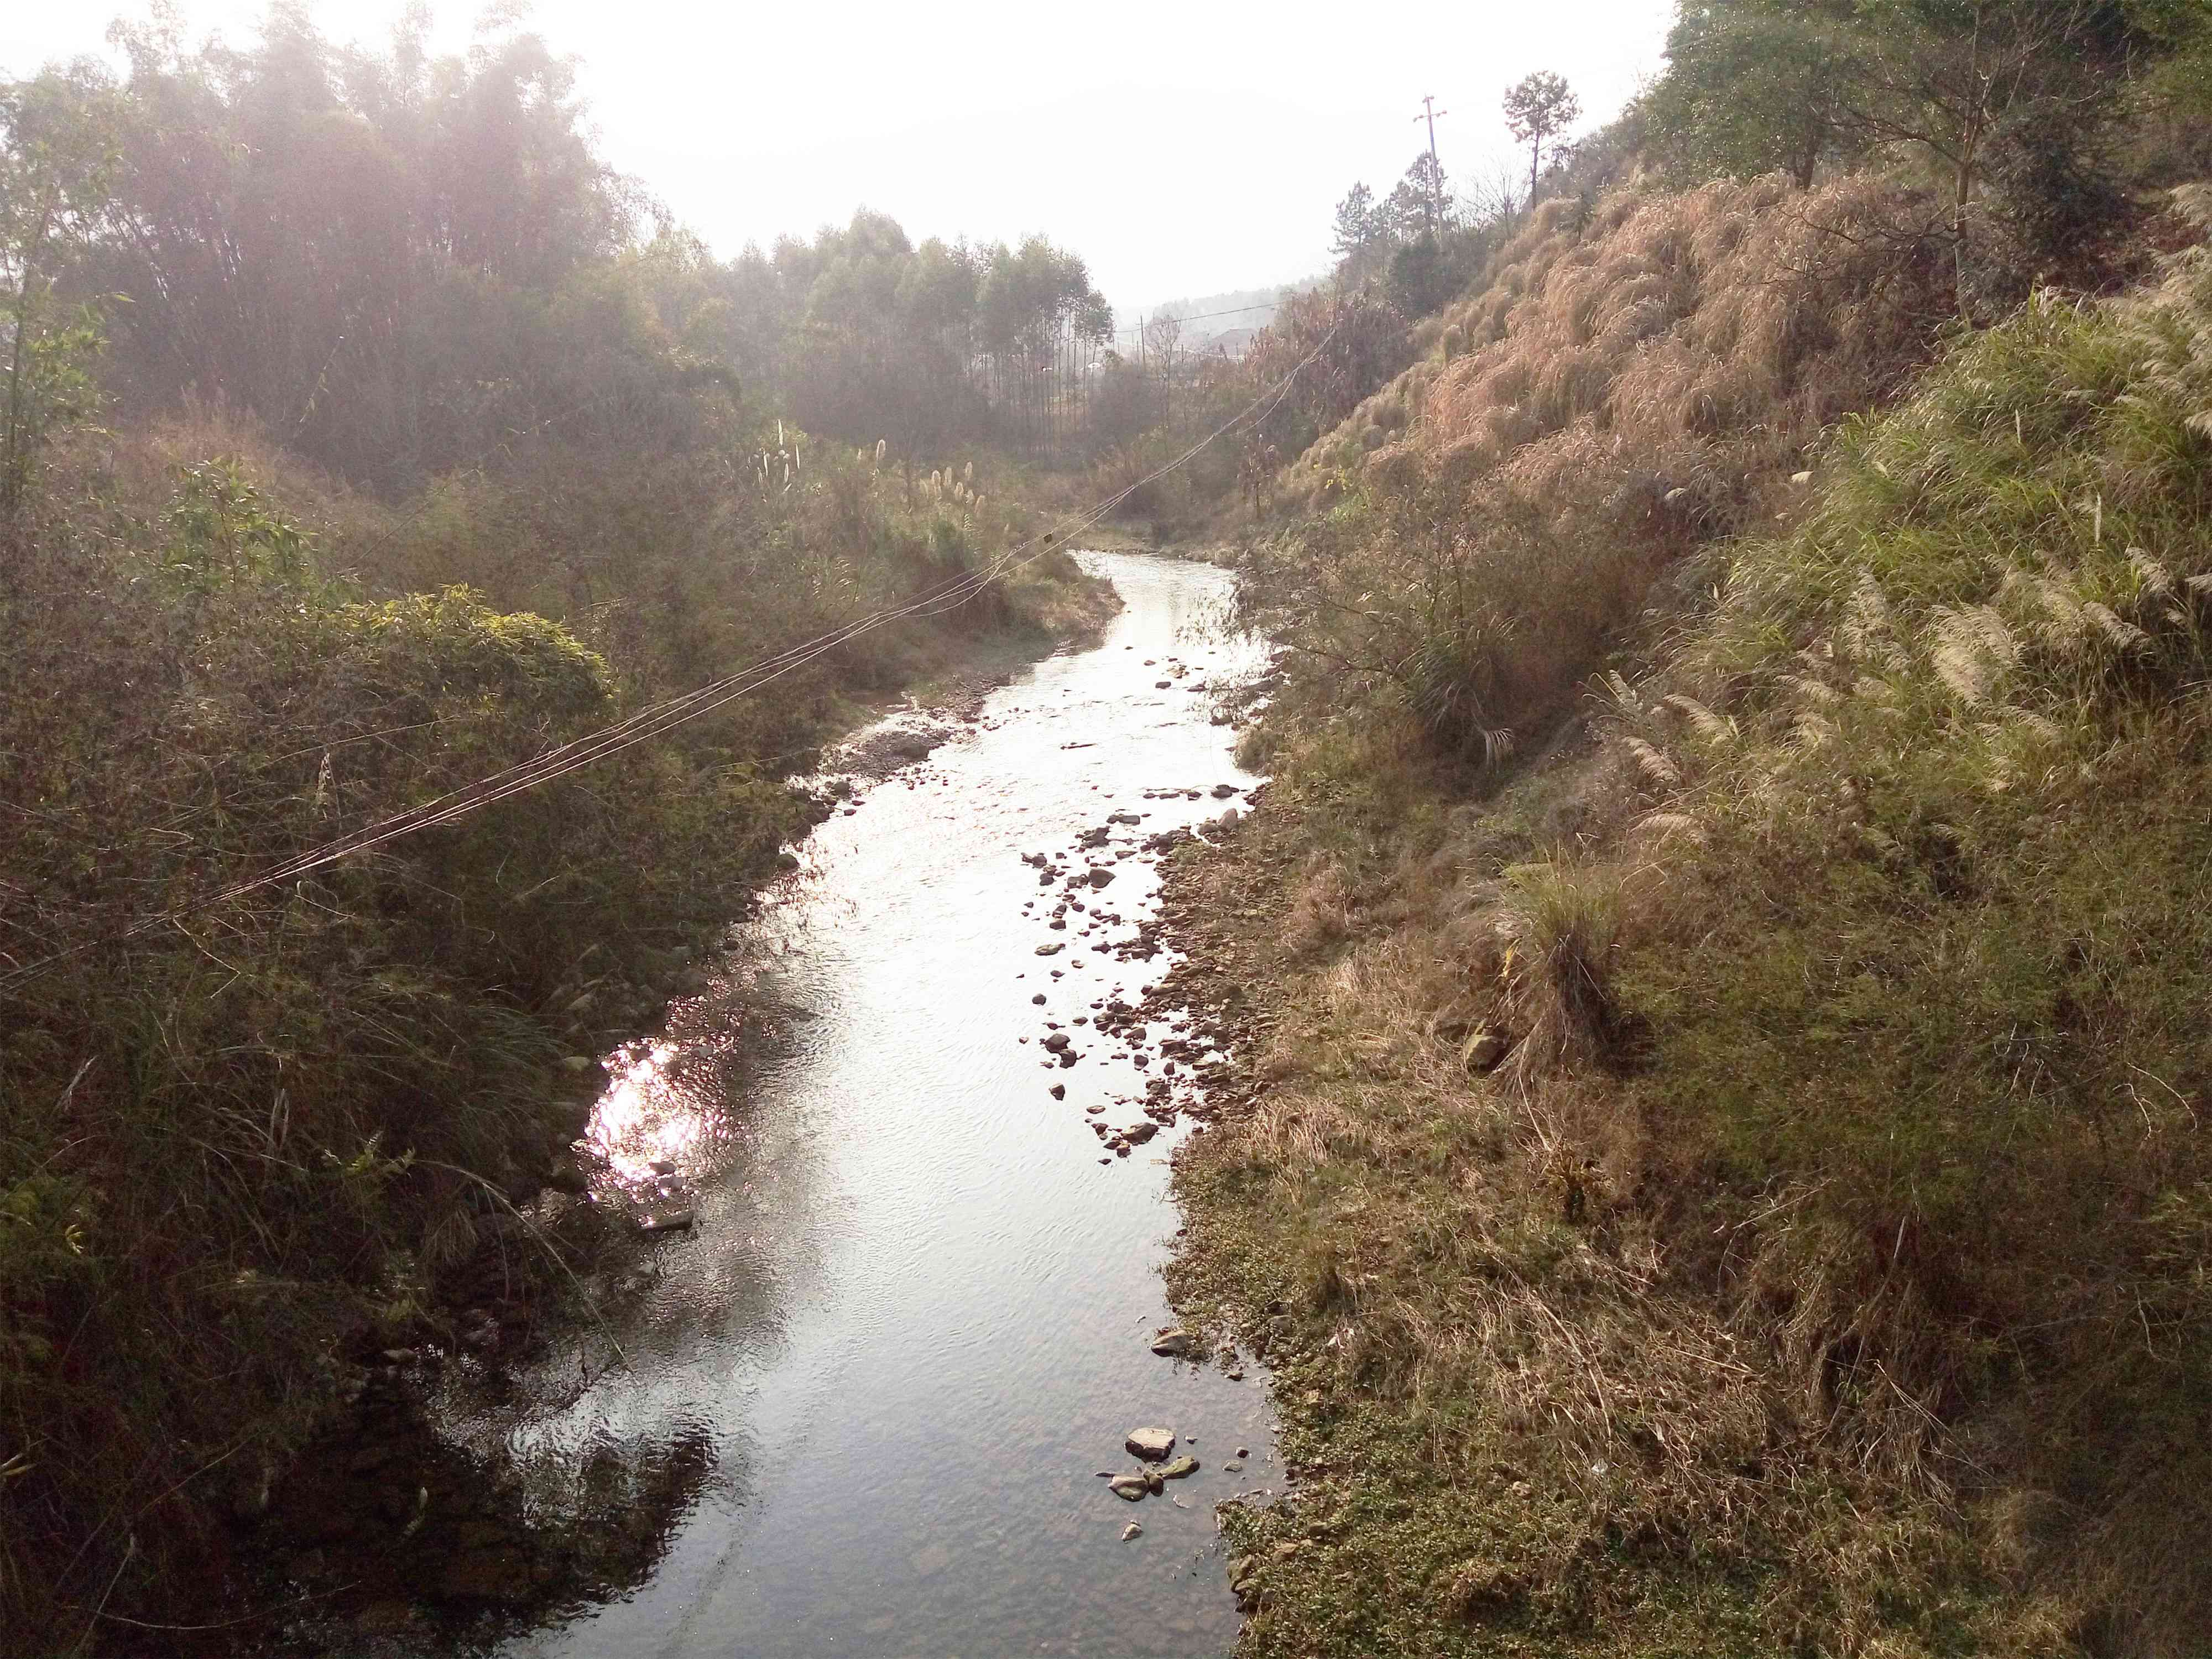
<point>1177,1468</point>
<point>1172,1342</point>
<point>1150,1444</point>
<point>1132,1487</point>
<point>1485,1049</point>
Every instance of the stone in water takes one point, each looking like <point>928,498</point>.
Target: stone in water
<point>1152,1444</point>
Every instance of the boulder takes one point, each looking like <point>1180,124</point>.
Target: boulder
<point>1172,1342</point>
<point>1131,1487</point>
<point>1179,1469</point>
<point>1152,1444</point>
<point>1485,1049</point>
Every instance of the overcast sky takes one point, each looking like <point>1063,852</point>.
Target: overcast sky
<point>1182,149</point>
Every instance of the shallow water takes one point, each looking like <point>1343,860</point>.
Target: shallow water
<point>913,1321</point>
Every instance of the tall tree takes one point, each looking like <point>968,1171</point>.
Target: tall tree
<point>1162,344</point>
<point>1361,230</point>
<point>57,141</point>
<point>1538,107</point>
<point>1419,205</point>
<point>1749,88</point>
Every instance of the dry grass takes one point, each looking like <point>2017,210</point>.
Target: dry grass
<point>1824,1271</point>
<point>1629,388</point>
<point>1747,316</point>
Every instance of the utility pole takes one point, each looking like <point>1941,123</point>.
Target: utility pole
<point>1429,114</point>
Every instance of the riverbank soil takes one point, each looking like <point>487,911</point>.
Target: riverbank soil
<point>1378,1218</point>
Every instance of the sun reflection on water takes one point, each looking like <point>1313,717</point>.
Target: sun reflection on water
<point>646,1119</point>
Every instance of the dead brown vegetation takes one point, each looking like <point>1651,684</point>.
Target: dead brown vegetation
<point>1632,384</point>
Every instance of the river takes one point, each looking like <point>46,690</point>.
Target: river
<point>913,1324</point>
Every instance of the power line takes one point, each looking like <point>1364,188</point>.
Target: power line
<point>665,716</point>
<point>1205,316</point>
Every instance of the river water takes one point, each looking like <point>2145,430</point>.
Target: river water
<point>912,1323</point>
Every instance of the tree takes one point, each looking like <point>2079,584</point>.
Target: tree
<point>1361,230</point>
<point>1420,279</point>
<point>1748,89</point>
<point>1537,107</point>
<point>1754,84</point>
<point>1346,347</point>
<point>1162,339</point>
<point>1945,76</point>
<point>55,147</point>
<point>1418,205</point>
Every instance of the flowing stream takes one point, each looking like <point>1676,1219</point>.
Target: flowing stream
<point>912,1323</point>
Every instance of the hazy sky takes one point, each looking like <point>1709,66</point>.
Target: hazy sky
<point>1182,148</point>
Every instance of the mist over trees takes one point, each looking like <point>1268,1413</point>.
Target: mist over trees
<point>395,260</point>
<point>868,335</point>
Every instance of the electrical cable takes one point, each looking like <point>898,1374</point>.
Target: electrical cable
<point>660,718</point>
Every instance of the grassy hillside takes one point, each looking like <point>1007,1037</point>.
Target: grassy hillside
<point>1634,382</point>
<point>1733,1182</point>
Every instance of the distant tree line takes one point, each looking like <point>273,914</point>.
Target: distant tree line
<point>397,262</point>
<point>865,335</point>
